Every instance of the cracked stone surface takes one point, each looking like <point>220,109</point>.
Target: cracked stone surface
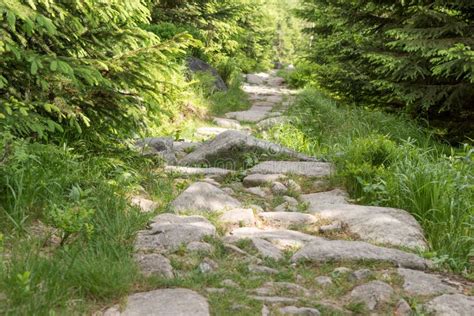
<point>286,219</point>
<point>300,168</point>
<point>451,304</point>
<point>382,225</point>
<point>176,302</point>
<point>168,232</point>
<point>323,250</point>
<point>421,283</point>
<point>281,238</point>
<point>202,197</point>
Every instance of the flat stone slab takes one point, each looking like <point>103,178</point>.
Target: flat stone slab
<point>266,249</point>
<point>214,173</point>
<point>382,225</point>
<point>154,264</point>
<point>238,217</point>
<point>168,232</point>
<point>300,168</point>
<point>451,305</point>
<point>230,145</point>
<point>421,283</point>
<point>274,299</point>
<point>286,219</point>
<point>226,123</point>
<point>172,302</point>
<point>255,180</point>
<point>252,116</point>
<point>281,238</point>
<point>323,250</point>
<point>202,197</point>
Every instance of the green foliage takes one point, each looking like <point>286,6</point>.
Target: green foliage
<point>388,160</point>
<point>71,66</point>
<point>410,55</point>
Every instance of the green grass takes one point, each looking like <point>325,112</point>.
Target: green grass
<point>88,192</point>
<point>389,160</point>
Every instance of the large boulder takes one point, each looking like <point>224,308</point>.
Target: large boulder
<point>197,65</point>
<point>176,302</point>
<point>322,250</point>
<point>375,224</point>
<point>202,197</point>
<point>228,148</point>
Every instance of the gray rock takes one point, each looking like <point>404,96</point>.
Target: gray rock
<point>229,283</point>
<point>279,188</point>
<point>281,238</point>
<point>286,219</point>
<point>374,294</point>
<point>212,182</point>
<point>258,191</point>
<point>304,311</point>
<point>402,308</point>
<point>252,116</point>
<point>169,232</point>
<point>223,149</point>
<point>203,197</point>
<point>341,271</point>
<point>257,79</point>
<point>322,250</point>
<point>301,168</point>
<point>208,266</point>
<point>214,173</point>
<point>451,305</point>
<point>272,121</point>
<point>291,200</point>
<point>274,299</point>
<point>197,65</point>
<point>323,281</point>
<point>360,274</point>
<point>154,264</point>
<point>261,269</point>
<point>255,180</point>
<point>374,224</point>
<point>266,249</point>
<point>145,205</point>
<point>228,190</point>
<point>236,250</point>
<point>238,217</point>
<point>161,146</point>
<point>226,123</point>
<point>275,98</point>
<point>176,302</point>
<point>322,200</point>
<point>265,311</point>
<point>420,283</point>
<point>199,246</point>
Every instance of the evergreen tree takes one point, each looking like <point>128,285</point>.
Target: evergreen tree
<point>413,55</point>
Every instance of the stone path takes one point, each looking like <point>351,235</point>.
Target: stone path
<point>275,238</point>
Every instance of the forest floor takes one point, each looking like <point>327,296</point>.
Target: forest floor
<point>259,229</point>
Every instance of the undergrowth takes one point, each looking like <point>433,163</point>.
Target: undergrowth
<point>389,160</point>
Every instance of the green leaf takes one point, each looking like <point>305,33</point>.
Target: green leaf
<point>11,19</point>
<point>34,67</point>
<point>54,65</point>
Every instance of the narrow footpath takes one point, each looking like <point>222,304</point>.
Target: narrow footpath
<point>263,231</point>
